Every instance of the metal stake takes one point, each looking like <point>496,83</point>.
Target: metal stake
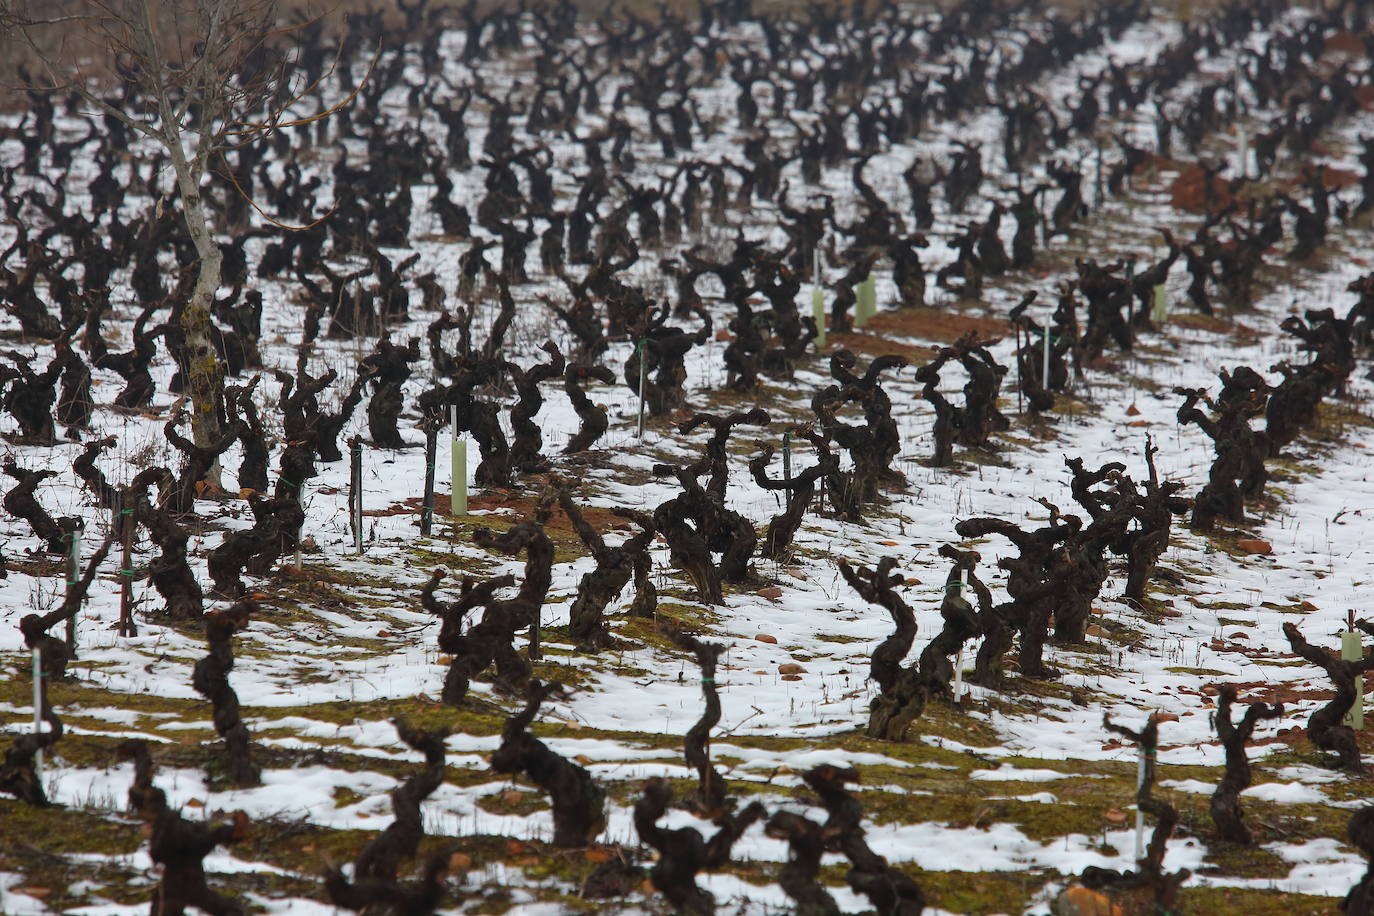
<point>38,711</point>
<point>73,537</point>
<point>1045,370</point>
<point>355,496</point>
<point>959,657</point>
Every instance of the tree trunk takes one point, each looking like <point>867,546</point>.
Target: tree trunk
<point>203,369</point>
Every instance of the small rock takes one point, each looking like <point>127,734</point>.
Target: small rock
<point>797,574</point>
<point>791,668</point>
<point>1095,630</point>
<point>1133,411</point>
<point>770,591</point>
<point>1255,546</point>
<point>1169,612</point>
<point>791,677</point>
<point>764,637</point>
<point>1114,816</point>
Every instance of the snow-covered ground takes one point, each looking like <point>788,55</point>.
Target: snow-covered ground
<point>1232,606</point>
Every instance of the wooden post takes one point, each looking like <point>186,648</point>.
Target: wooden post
<point>1139,814</point>
<point>1100,195</point>
<point>300,498</point>
<point>1020,374</point>
<point>817,298</point>
<point>355,491</point>
<point>818,315</point>
<point>431,444</point>
<point>124,518</point>
<point>639,431</point>
<point>787,463</point>
<point>73,538</point>
<point>1242,136</point>
<point>1353,651</point>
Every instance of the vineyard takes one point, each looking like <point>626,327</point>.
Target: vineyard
<point>833,459</point>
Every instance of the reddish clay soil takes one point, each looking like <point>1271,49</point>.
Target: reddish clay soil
<point>919,323</point>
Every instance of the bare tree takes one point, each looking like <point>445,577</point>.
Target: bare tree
<point>199,78</point>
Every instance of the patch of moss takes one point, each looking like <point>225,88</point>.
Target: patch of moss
<point>475,717</point>
<point>66,830</point>
<point>840,638</point>
<point>981,892</point>
<point>344,796</point>
<point>1238,901</point>
<point>1245,861</point>
<point>1199,672</point>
